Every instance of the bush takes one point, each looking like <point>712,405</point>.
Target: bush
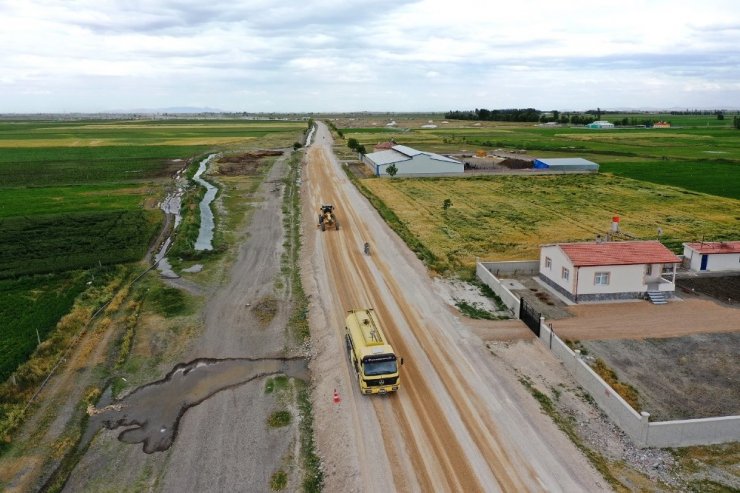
<point>168,301</point>
<point>278,419</point>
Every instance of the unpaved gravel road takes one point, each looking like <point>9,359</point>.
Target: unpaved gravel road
<point>457,424</point>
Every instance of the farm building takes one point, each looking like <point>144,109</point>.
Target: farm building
<point>565,164</point>
<point>409,161</point>
<point>600,124</point>
<point>613,270</point>
<point>661,125</point>
<point>712,255</point>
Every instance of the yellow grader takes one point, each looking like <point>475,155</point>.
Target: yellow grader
<point>327,219</point>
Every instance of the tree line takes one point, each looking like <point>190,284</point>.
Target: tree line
<point>505,115</point>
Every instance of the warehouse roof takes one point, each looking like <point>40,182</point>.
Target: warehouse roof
<point>400,153</point>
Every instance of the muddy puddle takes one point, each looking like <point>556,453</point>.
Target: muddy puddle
<point>152,413</point>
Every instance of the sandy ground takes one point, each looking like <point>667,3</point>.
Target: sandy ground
<point>641,319</point>
<point>458,423</point>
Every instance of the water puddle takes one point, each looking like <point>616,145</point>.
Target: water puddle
<point>165,269</point>
<point>171,205</point>
<point>310,136</point>
<point>205,234</point>
<point>194,268</point>
<point>152,412</point>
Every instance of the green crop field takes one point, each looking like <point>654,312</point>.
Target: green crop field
<point>715,178</point>
<point>509,217</point>
<point>76,195</point>
<point>28,305</point>
<point>33,201</point>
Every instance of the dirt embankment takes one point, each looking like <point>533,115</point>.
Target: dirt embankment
<point>246,163</point>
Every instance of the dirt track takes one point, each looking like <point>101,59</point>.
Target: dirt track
<point>457,424</point>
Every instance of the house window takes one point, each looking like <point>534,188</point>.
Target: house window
<point>566,274</point>
<point>601,278</point>
<point>548,263</point>
<point>649,270</point>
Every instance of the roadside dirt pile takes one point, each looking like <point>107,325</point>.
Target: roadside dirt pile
<point>246,163</point>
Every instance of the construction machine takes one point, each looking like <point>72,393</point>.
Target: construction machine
<point>327,217</point>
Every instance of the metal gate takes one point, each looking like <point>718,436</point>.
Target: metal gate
<point>529,316</point>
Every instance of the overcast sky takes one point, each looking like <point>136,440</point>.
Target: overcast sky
<point>372,55</point>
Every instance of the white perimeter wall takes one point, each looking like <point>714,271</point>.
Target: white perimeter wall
<point>682,433</point>
<point>494,283</point>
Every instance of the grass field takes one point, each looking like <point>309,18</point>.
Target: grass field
<point>508,217</point>
<point>28,305</point>
<point>701,154</point>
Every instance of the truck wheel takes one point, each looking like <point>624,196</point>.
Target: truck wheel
<point>336,225</point>
<point>323,227</point>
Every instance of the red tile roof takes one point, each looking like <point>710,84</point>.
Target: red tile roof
<point>618,253</point>
<point>715,247</point>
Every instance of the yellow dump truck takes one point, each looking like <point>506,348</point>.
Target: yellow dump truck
<point>371,356</point>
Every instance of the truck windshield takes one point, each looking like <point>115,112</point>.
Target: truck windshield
<point>380,367</point>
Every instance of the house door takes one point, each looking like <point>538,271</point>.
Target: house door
<point>704,259</point>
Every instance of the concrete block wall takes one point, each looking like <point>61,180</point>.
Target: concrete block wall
<point>688,432</point>
<point>637,426</point>
<point>680,433</point>
<point>512,267</point>
<point>487,277</point>
<point>607,399</point>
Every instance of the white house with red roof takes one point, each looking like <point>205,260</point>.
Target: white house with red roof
<point>613,270</point>
<point>712,255</point>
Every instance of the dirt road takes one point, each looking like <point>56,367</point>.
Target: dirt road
<point>456,424</point>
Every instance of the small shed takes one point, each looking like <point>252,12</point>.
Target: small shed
<point>712,256</point>
<point>565,164</point>
<point>600,124</point>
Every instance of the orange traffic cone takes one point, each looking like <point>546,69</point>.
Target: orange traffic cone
<point>337,399</point>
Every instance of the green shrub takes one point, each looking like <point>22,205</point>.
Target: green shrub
<point>278,419</point>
